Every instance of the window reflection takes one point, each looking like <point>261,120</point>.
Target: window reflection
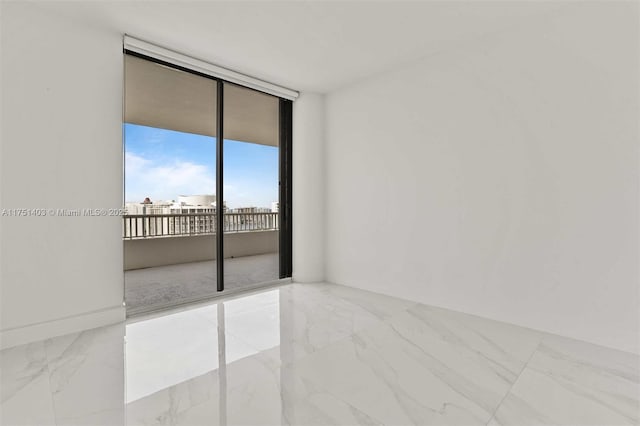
<point>168,351</point>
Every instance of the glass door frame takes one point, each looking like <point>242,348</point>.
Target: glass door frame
<point>285,172</point>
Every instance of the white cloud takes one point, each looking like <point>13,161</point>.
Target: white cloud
<point>165,180</point>
<point>148,178</point>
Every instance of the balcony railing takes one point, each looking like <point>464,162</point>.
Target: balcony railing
<point>185,224</point>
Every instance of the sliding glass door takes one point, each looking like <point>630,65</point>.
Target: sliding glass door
<point>203,214</point>
<point>251,187</point>
<point>170,182</point>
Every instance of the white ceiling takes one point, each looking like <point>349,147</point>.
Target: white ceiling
<point>304,45</point>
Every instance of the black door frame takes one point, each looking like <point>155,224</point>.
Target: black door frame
<point>285,206</point>
<point>219,186</point>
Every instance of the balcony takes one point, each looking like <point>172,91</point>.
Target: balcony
<point>171,258</point>
<point>138,226</point>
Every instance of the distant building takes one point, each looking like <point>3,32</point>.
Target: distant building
<point>275,207</point>
<point>149,208</point>
<point>204,205</point>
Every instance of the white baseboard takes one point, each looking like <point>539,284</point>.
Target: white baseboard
<point>45,330</point>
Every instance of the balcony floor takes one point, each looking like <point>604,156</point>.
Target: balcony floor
<point>172,284</point>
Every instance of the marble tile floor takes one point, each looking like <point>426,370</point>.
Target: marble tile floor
<point>316,354</point>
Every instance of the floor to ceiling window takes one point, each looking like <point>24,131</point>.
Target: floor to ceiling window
<point>203,213</point>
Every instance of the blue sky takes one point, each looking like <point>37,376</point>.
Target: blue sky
<point>162,164</point>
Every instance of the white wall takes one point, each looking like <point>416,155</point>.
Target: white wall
<point>499,178</point>
<point>61,148</point>
<point>308,188</point>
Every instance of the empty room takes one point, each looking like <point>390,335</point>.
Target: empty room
<point>319,212</point>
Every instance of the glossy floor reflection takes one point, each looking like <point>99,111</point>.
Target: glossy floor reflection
<point>317,354</point>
